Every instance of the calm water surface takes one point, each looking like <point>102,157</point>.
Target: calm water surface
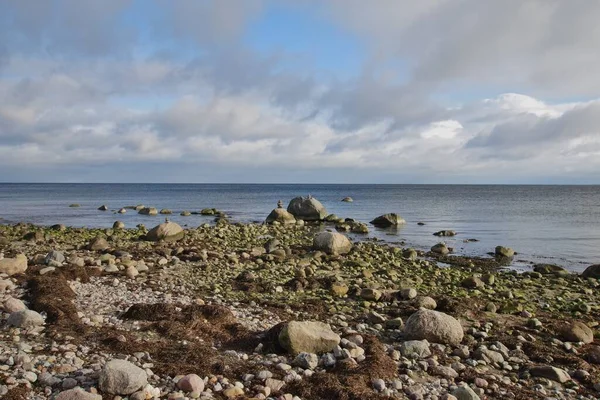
<point>554,224</point>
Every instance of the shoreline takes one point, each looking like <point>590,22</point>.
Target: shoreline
<point>212,304</point>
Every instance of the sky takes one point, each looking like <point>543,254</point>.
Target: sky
<point>300,91</point>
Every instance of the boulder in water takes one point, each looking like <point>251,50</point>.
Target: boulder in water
<point>332,243</point>
<point>445,233</point>
<point>167,231</point>
<point>122,211</point>
<point>440,248</point>
<point>307,209</point>
<point>347,199</point>
<point>148,211</point>
<point>166,211</point>
<point>387,220</point>
<point>119,225</point>
<point>502,251</point>
<point>103,208</point>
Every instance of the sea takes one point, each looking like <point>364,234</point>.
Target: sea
<point>542,223</point>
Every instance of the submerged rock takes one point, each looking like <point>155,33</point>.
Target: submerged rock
<point>167,231</point>
<point>103,208</point>
<point>307,209</point>
<point>445,233</point>
<point>347,199</point>
<point>121,377</point>
<point>388,220</point>
<point>308,337</point>
<point>281,216</point>
<point>504,252</point>
<point>434,326</point>
<point>332,243</point>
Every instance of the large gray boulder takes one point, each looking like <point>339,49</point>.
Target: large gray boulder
<point>332,243</point>
<point>122,377</point>
<point>281,216</point>
<point>308,337</point>
<point>593,271</point>
<point>307,209</point>
<point>25,319</point>
<point>387,220</point>
<point>433,326</point>
<point>12,266</point>
<point>167,231</point>
<point>77,394</point>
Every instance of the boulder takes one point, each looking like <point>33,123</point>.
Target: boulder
<point>307,209</point>
<point>14,305</point>
<point>415,349</point>
<point>98,244</point>
<point>103,208</point>
<point>552,373</point>
<point>191,383</point>
<point>445,233</point>
<point>208,211</point>
<point>35,236</point>
<point>58,227</point>
<point>306,360</point>
<point>550,269</point>
<point>433,326</point>
<point>465,393</point>
<point>166,211</point>
<point>332,243</point>
<point>280,215</point>
<point>122,211</point>
<point>504,252</point>
<point>119,225</point>
<point>440,248</point>
<point>593,271</point>
<point>54,257</point>
<point>121,377</point>
<point>577,332</point>
<point>347,199</point>
<point>25,319</point>
<point>387,220</point>
<point>185,213</point>
<point>148,211</point>
<point>77,394</point>
<point>167,231</point>
<point>12,266</point>
<point>473,282</point>
<point>308,337</point>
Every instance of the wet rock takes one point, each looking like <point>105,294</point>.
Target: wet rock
<point>552,373</point>
<point>440,248</point>
<point>74,205</point>
<point>209,211</point>
<point>433,326</point>
<point>12,266</point>
<point>549,269</point>
<point>307,209</point>
<point>347,199</point>
<point>504,252</point>
<point>191,383</point>
<point>25,319</point>
<point>121,377</point>
<point>122,211</point>
<point>332,243</point>
<point>77,394</point>
<point>593,271</point>
<point>119,225</point>
<point>185,213</point>
<point>103,208</point>
<point>387,220</point>
<point>445,233</point>
<point>167,231</point>
<point>308,337</point>
<point>148,211</point>
<point>281,216</point>
<point>166,211</point>
<point>577,332</point>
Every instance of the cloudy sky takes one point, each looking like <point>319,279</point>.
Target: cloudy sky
<point>327,91</point>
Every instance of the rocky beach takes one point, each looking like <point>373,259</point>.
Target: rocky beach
<point>286,309</point>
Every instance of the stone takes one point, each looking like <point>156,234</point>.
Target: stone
<point>122,211</point>
<point>339,289</point>
<point>308,337</point>
<point>274,384</point>
<point>348,199</point>
<point>6,285</point>
<point>13,266</point>
<point>593,355</point>
<point>282,216</point>
<point>332,243</point>
<point>119,225</point>
<point>577,332</point>
<point>98,244</point>
<point>550,269</point>
<point>415,349</point>
<point>408,293</point>
<point>185,213</point>
<point>445,233</point>
<point>307,209</point>
<point>25,319</point>
<point>473,282</point>
<point>410,254</point>
<point>552,373</point>
<point>440,248</point>
<point>148,211</point>
<point>13,305</point>
<point>306,360</point>
<point>504,251</point>
<point>103,208</point>
<point>191,383</point>
<point>465,393</point>
<point>371,294</point>
<point>77,394</point>
<point>593,271</point>
<point>433,326</point>
<point>55,256</point>
<point>167,231</point>
<point>233,392</point>
<point>424,302</point>
<point>121,377</point>
<point>165,211</point>
<point>387,220</point>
